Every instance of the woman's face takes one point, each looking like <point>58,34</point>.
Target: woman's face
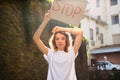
<point>60,41</point>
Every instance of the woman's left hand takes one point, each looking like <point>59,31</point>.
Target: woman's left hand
<point>56,28</point>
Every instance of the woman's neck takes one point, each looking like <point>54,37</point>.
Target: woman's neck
<point>60,49</point>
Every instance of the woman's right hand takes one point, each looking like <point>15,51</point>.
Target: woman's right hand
<point>57,28</point>
<point>47,15</point>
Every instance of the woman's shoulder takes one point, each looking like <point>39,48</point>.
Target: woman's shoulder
<point>72,52</point>
<point>49,55</point>
<point>71,49</point>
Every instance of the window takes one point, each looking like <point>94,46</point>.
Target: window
<point>113,2</point>
<point>97,30</point>
<point>115,19</point>
<point>101,38</point>
<point>98,18</point>
<point>79,25</point>
<point>91,34</point>
<point>98,3</point>
<point>116,39</point>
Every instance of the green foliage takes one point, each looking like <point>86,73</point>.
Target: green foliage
<point>87,42</point>
<point>26,20</point>
<point>19,61</point>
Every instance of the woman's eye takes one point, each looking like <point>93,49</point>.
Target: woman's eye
<point>63,38</point>
<point>60,38</point>
<point>57,39</point>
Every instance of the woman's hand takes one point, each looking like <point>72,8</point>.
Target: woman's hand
<point>57,28</point>
<point>47,15</point>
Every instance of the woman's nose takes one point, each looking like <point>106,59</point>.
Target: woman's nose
<point>60,40</point>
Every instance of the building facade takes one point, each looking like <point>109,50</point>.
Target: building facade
<point>101,26</point>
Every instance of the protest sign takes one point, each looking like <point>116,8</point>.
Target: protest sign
<point>68,11</point>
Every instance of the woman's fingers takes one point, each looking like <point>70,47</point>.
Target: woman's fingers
<point>55,29</point>
<point>47,15</point>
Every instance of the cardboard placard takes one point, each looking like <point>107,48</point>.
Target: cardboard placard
<point>68,11</point>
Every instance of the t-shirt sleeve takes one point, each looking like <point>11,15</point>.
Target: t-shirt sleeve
<point>48,56</point>
<point>73,53</point>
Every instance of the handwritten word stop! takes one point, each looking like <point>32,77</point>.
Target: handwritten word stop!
<point>66,8</point>
<point>68,11</point>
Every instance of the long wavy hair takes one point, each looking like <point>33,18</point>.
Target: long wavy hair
<point>68,41</point>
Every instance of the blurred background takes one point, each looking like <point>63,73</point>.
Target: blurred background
<point>20,58</point>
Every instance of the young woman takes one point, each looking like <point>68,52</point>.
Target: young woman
<point>61,56</point>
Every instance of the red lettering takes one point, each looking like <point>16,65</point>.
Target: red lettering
<point>56,5</point>
<point>64,6</point>
<point>69,10</point>
<point>76,11</point>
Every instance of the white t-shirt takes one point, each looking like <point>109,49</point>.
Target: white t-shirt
<point>61,65</point>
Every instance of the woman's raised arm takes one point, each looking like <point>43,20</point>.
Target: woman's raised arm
<point>38,33</point>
